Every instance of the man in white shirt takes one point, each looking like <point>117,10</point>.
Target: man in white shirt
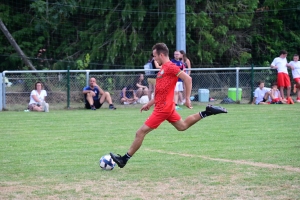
<point>283,79</point>
<point>295,66</point>
<point>261,94</point>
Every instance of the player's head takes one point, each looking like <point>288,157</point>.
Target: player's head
<point>92,82</point>
<point>160,52</point>
<point>161,48</point>
<point>38,85</point>
<point>261,84</point>
<point>177,55</point>
<point>296,57</point>
<point>274,85</point>
<point>283,53</point>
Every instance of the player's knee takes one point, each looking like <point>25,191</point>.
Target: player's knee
<point>181,128</point>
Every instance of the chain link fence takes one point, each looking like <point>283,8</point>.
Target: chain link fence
<point>64,88</point>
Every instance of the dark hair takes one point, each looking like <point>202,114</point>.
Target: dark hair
<point>38,83</point>
<point>184,55</point>
<point>129,87</point>
<point>161,48</point>
<point>259,82</point>
<point>274,83</point>
<point>296,55</point>
<point>283,52</point>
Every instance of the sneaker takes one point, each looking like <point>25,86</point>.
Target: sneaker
<point>298,100</point>
<point>118,159</point>
<point>215,109</point>
<point>294,88</point>
<point>112,107</point>
<point>177,108</point>
<point>93,108</point>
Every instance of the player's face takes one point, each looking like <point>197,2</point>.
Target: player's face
<point>261,85</point>
<point>38,86</point>
<point>157,57</point>
<point>296,58</point>
<point>177,55</point>
<point>92,82</point>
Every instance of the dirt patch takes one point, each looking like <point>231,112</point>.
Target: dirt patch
<point>183,188</point>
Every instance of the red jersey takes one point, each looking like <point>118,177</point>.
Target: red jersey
<point>166,81</point>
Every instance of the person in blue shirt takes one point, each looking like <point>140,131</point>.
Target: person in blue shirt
<point>91,96</point>
<point>178,96</point>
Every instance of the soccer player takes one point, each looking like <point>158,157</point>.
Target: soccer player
<point>164,105</point>
<point>295,66</point>
<point>283,79</point>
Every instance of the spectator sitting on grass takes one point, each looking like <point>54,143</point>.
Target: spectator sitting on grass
<point>275,96</point>
<point>38,99</point>
<point>140,86</point>
<point>261,94</point>
<point>128,95</point>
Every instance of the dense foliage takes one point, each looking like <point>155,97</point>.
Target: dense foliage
<point>111,34</point>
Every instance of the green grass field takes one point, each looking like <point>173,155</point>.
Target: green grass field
<point>253,152</point>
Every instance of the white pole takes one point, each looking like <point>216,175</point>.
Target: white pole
<point>180,25</point>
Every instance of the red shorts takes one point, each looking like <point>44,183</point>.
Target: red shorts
<point>156,118</point>
<point>283,80</point>
<point>276,100</point>
<point>297,80</point>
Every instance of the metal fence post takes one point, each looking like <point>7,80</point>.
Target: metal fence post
<point>87,74</point>
<point>237,84</point>
<point>1,81</point>
<point>68,87</point>
<point>252,82</point>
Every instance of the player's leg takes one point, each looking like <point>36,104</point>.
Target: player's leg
<point>136,144</point>
<point>106,97</point>
<point>139,92</point>
<point>288,85</point>
<point>280,84</point>
<point>151,123</point>
<point>90,99</point>
<point>297,80</point>
<point>281,89</point>
<point>182,125</point>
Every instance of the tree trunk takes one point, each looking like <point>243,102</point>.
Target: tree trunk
<point>15,45</point>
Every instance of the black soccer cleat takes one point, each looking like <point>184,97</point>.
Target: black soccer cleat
<point>118,159</point>
<point>111,107</point>
<point>215,109</point>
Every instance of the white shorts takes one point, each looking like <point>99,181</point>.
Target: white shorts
<point>179,87</point>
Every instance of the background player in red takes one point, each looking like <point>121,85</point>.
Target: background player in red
<point>164,105</point>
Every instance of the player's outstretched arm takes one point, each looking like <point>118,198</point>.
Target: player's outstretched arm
<point>187,81</point>
<point>148,105</point>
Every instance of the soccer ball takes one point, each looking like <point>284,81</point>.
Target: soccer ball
<point>107,163</point>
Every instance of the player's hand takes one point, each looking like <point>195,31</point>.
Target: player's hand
<point>145,107</point>
<point>92,93</point>
<point>188,103</point>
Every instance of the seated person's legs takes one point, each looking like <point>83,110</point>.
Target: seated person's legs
<point>89,101</point>
<point>35,107</point>
<point>139,92</point>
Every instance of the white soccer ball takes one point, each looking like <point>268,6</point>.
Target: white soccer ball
<point>107,163</point>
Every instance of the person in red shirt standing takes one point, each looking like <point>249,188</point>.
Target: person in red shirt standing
<point>164,105</point>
